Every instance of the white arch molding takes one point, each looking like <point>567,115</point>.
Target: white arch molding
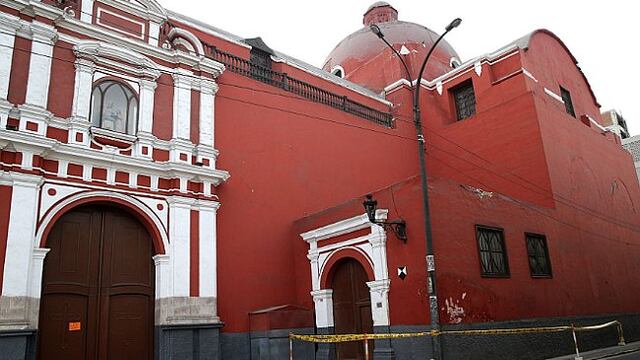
<point>53,211</point>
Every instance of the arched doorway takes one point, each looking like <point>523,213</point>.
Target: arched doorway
<point>351,307</point>
<point>98,287</point>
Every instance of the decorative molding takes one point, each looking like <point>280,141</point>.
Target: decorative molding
<point>323,303</point>
<point>554,95</point>
<point>103,53</point>
<point>55,150</point>
<point>143,26</point>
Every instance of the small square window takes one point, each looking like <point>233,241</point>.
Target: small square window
<point>568,105</point>
<point>539,263</point>
<point>465,100</point>
<point>493,253</point>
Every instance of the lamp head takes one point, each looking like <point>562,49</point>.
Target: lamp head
<point>454,24</point>
<point>370,206</point>
<point>376,30</point>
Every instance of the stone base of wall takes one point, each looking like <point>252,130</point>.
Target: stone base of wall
<point>18,345</point>
<point>521,346</point>
<point>188,342</point>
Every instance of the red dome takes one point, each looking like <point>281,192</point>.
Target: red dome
<point>367,61</point>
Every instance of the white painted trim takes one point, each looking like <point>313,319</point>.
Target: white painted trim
<point>554,95</point>
<point>86,11</point>
<point>379,291</point>
<point>46,220</point>
<point>196,44</point>
<point>208,268</point>
<point>323,304</point>
<point>341,227</point>
<point>35,275</point>
<point>22,224</point>
<point>44,36</point>
<point>83,155</point>
<point>101,10</point>
<point>371,246</point>
<point>338,68</point>
<point>164,280</point>
<point>180,234</point>
<point>182,85</point>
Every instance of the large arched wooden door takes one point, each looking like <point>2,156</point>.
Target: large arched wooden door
<point>351,307</point>
<point>98,288</point>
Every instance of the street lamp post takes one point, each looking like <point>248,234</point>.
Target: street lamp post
<point>430,259</point>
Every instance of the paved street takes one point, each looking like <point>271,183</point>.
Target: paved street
<point>628,352</point>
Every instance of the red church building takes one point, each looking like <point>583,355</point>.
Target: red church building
<point>169,190</point>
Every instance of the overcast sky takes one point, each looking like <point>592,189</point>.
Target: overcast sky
<point>604,36</point>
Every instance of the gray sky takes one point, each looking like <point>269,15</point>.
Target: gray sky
<point>600,34</point>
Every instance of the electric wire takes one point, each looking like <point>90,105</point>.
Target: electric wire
<point>589,211</point>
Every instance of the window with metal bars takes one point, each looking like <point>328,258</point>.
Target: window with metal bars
<point>539,263</point>
<point>566,98</point>
<point>493,253</point>
<point>465,100</point>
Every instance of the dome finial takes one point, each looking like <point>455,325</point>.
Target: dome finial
<point>380,12</point>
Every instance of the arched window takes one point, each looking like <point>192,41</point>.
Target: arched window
<point>114,107</point>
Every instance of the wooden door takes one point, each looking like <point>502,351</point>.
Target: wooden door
<point>351,307</point>
<point>98,288</point>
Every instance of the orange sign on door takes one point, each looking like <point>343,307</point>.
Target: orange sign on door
<point>74,326</point>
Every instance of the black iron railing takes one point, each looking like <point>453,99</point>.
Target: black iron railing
<point>283,81</point>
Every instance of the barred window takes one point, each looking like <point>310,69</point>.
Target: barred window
<point>568,105</point>
<point>493,253</point>
<point>465,100</point>
<point>539,263</point>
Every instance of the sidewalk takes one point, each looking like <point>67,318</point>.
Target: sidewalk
<point>629,349</point>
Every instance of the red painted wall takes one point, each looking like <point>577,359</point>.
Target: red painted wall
<point>5,200</point>
<point>62,85</point>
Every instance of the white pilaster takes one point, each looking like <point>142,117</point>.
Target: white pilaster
<point>82,89</point>
<point>35,277</point>
<point>147,94</point>
<point>182,83</point>
<point>208,248</point>
<point>44,37</point>
<point>154,33</point>
<point>323,301</point>
<point>164,280</point>
<point>86,13</point>
<point>8,26</point>
<point>379,291</point>
<point>21,234</point>
<point>208,90</point>
<point>180,237</point>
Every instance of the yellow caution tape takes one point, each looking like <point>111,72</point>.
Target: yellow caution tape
<point>528,330</point>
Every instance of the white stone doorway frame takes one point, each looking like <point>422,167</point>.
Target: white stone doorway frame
<point>371,247</point>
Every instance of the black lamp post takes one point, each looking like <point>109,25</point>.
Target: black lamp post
<point>431,267</point>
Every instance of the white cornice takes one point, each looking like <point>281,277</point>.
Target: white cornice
<point>55,150</point>
<point>342,227</point>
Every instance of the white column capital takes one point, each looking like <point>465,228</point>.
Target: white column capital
<point>183,79</point>
<point>208,87</point>
<point>206,205</point>
<point>85,65</point>
<point>26,180</point>
<point>44,33</point>
<point>181,202</point>
<point>9,23</point>
<point>147,84</point>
